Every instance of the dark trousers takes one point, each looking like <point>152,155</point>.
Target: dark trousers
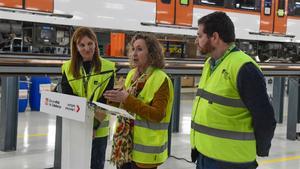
<point>98,152</point>
<point>132,166</point>
<point>204,162</point>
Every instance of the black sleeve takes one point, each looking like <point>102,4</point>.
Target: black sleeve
<point>252,89</point>
<point>109,86</point>
<point>65,86</point>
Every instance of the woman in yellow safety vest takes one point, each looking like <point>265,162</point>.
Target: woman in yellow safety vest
<point>148,93</point>
<point>82,77</point>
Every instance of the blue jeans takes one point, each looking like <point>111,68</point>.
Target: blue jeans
<point>98,152</point>
<point>204,162</point>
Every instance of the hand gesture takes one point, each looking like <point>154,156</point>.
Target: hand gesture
<point>116,95</point>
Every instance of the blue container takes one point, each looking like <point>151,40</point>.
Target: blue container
<point>38,83</point>
<point>23,96</point>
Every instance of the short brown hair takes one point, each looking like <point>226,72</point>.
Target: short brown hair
<point>76,58</point>
<point>155,50</point>
<point>218,22</point>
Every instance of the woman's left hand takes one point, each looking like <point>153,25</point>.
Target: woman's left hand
<point>99,114</point>
<point>116,95</point>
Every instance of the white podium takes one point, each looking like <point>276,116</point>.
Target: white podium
<point>77,127</point>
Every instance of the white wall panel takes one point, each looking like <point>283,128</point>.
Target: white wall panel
<point>128,15</point>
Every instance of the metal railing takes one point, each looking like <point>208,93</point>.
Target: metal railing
<point>51,65</point>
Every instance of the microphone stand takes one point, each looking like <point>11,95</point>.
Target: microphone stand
<point>58,133</point>
<point>90,100</point>
<point>56,89</point>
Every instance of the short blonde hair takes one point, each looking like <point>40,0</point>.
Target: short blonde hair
<point>155,50</point>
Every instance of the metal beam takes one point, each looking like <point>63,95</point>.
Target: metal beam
<point>293,109</point>
<point>9,113</point>
<point>278,98</point>
<point>17,65</point>
<point>176,104</point>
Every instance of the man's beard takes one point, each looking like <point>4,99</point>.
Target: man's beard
<point>207,48</point>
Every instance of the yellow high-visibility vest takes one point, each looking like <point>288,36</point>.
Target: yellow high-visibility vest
<point>221,124</point>
<point>92,83</point>
<point>151,139</point>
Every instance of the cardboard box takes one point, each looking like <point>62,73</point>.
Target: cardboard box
<point>187,81</point>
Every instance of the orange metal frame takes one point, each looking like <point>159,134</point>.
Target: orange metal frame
<point>165,13</point>
<point>184,14</point>
<point>273,23</point>
<point>11,3</point>
<point>36,5</point>
<point>174,13</point>
<point>280,22</point>
<point>40,5</point>
<point>117,44</point>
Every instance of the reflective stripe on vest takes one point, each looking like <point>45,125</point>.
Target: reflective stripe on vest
<point>104,124</point>
<point>213,98</point>
<point>152,126</point>
<point>222,133</point>
<point>150,149</point>
<point>223,130</point>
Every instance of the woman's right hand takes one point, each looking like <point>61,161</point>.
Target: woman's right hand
<point>116,95</point>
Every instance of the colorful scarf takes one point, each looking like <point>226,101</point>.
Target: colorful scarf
<point>123,137</point>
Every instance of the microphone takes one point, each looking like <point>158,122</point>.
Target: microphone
<point>57,89</point>
<point>99,85</point>
<point>90,101</point>
<point>100,73</point>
